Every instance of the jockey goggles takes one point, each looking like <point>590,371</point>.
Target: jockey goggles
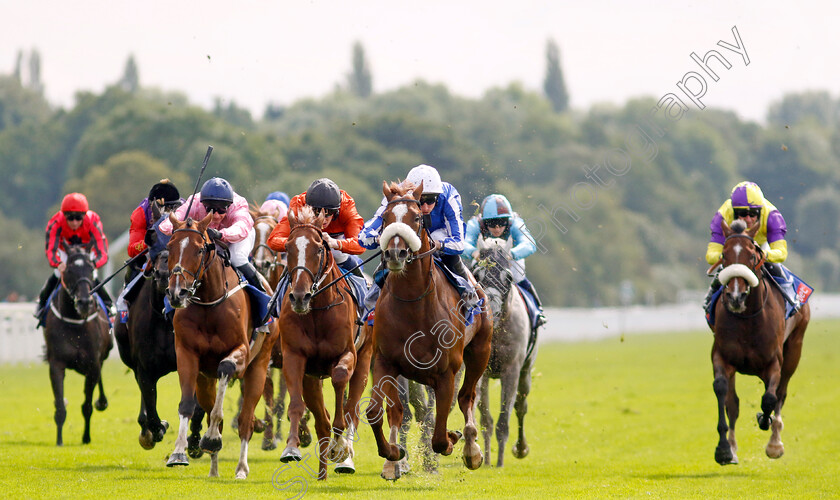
<point>500,222</point>
<point>327,211</point>
<point>219,208</point>
<point>74,216</point>
<point>428,199</point>
<point>744,212</point>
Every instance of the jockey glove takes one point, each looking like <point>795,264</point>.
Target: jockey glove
<point>214,234</point>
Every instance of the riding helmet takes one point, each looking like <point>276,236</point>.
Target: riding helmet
<point>279,196</point>
<point>496,206</point>
<point>747,195</point>
<point>323,193</point>
<point>74,202</point>
<point>165,190</point>
<point>217,189</point>
<point>429,176</point>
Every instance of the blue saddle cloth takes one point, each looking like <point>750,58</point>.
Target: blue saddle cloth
<point>797,293</point>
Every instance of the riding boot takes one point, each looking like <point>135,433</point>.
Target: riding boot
<point>106,298</point>
<point>350,263</point>
<point>249,272</point>
<point>713,287</point>
<point>45,292</point>
<point>527,285</point>
<point>456,265</point>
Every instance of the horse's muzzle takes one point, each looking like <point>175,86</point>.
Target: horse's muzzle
<point>300,301</point>
<point>736,302</point>
<point>395,258</point>
<point>177,297</point>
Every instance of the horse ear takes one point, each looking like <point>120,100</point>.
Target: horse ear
<point>292,215</point>
<point>418,191</point>
<point>725,228</point>
<point>754,229</point>
<point>385,190</point>
<point>202,225</point>
<point>89,245</point>
<point>176,224</point>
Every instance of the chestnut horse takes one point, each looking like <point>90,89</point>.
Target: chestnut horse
<point>420,333</point>
<point>213,324</point>
<point>271,264</point>
<point>317,342</point>
<point>77,336</point>
<point>752,337</point>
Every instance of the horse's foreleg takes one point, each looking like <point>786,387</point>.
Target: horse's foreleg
<point>91,379</point>
<point>269,441</point>
<point>152,429</point>
<point>280,406</point>
<point>771,377</point>
<point>313,396</point>
<point>211,442</point>
<point>57,381</point>
<point>723,453</point>
<point>510,382</point>
<point>187,377</point>
<point>442,439</point>
<point>476,357</point>
<point>357,384</point>
<point>340,377</point>
<point>193,448</point>
<point>382,375</point>
<point>293,373</point>
<point>486,419</point>
<point>733,410</point>
<point>102,401</point>
<point>520,448</point>
<point>253,385</point>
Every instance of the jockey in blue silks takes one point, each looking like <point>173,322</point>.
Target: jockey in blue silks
<point>443,220</point>
<point>497,219</point>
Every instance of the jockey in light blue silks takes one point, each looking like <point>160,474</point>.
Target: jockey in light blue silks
<point>497,219</point>
<point>443,220</point>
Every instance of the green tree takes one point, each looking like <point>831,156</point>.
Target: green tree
<point>130,80</point>
<point>35,83</point>
<point>359,80</point>
<point>554,85</point>
<point>24,266</point>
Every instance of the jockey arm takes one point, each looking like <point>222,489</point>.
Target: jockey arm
<point>451,234</point>
<point>773,231</point>
<point>524,243</point>
<point>237,222</point>
<point>350,224</point>
<point>53,239</point>
<point>100,242</point>
<point>471,238</point>
<point>137,232</point>
<point>369,237</point>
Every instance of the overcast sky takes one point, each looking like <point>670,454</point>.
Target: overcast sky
<point>256,52</point>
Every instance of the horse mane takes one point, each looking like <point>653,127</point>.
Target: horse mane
<point>303,215</point>
<point>738,226</point>
<point>401,188</point>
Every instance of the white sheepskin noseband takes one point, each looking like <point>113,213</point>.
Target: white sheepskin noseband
<point>738,271</point>
<point>402,230</point>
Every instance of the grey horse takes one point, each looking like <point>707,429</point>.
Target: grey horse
<point>509,359</point>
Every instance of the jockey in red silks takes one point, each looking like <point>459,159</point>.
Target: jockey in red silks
<point>74,224</point>
<point>342,223</point>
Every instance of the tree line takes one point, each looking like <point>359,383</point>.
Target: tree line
<point>600,220</point>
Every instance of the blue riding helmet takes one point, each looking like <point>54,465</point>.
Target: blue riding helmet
<point>279,196</point>
<point>218,190</point>
<point>496,206</point>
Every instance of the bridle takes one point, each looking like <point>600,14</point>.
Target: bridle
<point>756,260</point>
<point>208,254</point>
<point>412,256</point>
<point>71,291</point>
<point>274,254</point>
<point>324,263</point>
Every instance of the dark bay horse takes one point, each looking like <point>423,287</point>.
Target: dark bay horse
<point>752,337</point>
<point>317,342</point>
<point>509,359</point>
<point>271,264</point>
<point>420,333</point>
<point>146,344</point>
<point>77,336</point>
<point>213,325</point>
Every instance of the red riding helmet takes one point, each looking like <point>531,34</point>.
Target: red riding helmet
<point>74,202</point>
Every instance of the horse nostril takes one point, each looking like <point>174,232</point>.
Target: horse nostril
<point>307,297</point>
<point>402,254</point>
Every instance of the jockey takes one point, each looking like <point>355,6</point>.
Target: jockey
<point>277,204</point>
<point>747,202</point>
<point>75,223</point>
<point>441,202</point>
<point>164,195</point>
<point>497,219</point>
<point>342,222</point>
<point>231,223</point>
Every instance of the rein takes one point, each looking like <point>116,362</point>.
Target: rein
<point>274,254</point>
<point>759,275</point>
<point>323,261</point>
<point>203,266</point>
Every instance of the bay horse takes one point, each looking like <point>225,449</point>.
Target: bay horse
<point>77,336</point>
<point>420,333</point>
<point>752,337</point>
<point>318,327</point>
<point>213,324</point>
<point>146,343</point>
<point>271,264</point>
<point>509,357</point>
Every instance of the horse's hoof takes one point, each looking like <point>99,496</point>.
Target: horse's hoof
<point>402,452</point>
<point>101,404</point>
<point>210,445</point>
<point>520,451</point>
<point>455,436</point>
<point>764,422</point>
<point>193,448</point>
<point>269,444</point>
<point>775,451</point>
<point>290,454</point>
<point>391,471</point>
<point>724,456</point>
<point>177,459</point>
<point>472,455</point>
<point>146,440</point>
<point>305,437</point>
<point>346,467</point>
<point>259,426</point>
<point>165,425</point>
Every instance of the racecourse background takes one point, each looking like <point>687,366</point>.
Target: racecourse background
<point>20,341</point>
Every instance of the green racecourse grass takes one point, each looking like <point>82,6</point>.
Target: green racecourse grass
<point>624,418</point>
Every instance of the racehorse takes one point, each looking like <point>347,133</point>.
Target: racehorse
<point>271,264</point>
<point>146,344</point>
<point>317,340</point>
<point>509,359</point>
<point>420,333</point>
<point>77,335</point>
<point>752,337</point>
<point>213,325</point>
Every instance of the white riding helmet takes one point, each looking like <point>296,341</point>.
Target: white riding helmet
<point>429,176</point>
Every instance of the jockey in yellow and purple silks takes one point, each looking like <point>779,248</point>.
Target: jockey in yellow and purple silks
<point>747,202</point>
<point>496,219</point>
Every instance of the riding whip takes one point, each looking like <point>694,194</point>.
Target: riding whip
<point>349,271</point>
<point>127,263</point>
<point>198,181</point>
